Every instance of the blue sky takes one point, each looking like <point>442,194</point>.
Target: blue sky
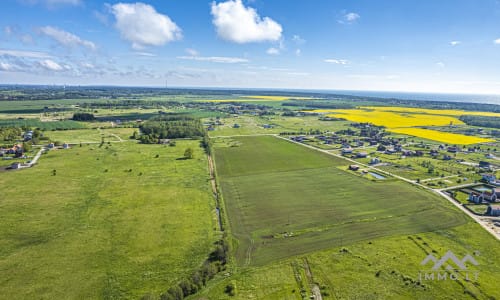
<point>408,45</point>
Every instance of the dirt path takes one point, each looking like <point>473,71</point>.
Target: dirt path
<point>315,290</point>
<point>215,192</point>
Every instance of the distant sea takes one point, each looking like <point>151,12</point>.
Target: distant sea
<point>472,98</point>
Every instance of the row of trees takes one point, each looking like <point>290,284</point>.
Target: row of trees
<point>215,263</point>
<point>491,122</point>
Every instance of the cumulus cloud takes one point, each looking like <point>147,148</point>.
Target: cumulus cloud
<point>50,65</point>
<point>216,59</point>
<point>349,18</point>
<point>455,43</point>
<point>236,23</point>
<point>497,41</point>
<point>65,38</point>
<point>337,61</point>
<point>143,26</point>
<point>6,66</point>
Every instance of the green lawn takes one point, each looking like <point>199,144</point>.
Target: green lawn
<point>115,222</point>
<point>284,199</point>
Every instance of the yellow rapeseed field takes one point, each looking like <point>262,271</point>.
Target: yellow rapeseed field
<point>444,137</point>
<point>445,112</point>
<point>404,120</point>
<point>394,119</point>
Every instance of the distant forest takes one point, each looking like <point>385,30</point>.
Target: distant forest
<point>491,122</point>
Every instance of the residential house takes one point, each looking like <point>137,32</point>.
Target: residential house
<point>478,197</point>
<point>489,178</point>
<point>493,210</point>
<point>16,165</point>
<point>475,197</point>
<point>374,161</point>
<point>346,150</point>
<point>361,154</point>
<point>453,149</point>
<point>484,165</point>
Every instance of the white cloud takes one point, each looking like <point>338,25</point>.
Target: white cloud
<point>143,26</point>
<point>216,59</point>
<point>146,54</point>
<point>50,65</point>
<point>349,18</point>
<point>5,66</point>
<point>298,40</point>
<point>192,52</point>
<point>236,23</point>
<point>497,41</point>
<point>337,61</point>
<point>298,52</point>
<point>273,51</point>
<point>440,64</point>
<point>8,30</point>
<point>65,38</point>
<point>87,65</point>
<point>455,43</point>
<point>21,53</point>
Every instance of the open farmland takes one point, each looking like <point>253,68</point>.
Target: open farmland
<point>115,222</point>
<point>284,200</point>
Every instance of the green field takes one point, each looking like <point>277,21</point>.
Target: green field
<point>284,199</point>
<point>381,268</point>
<point>115,222</point>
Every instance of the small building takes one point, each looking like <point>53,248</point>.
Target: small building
<point>163,141</point>
<point>490,196</point>
<point>489,178</point>
<point>16,165</point>
<point>65,146</point>
<point>51,146</point>
<point>453,149</point>
<point>361,154</point>
<point>484,165</point>
<point>475,197</point>
<point>346,150</point>
<point>493,210</point>
<point>236,125</point>
<point>374,161</point>
<point>446,157</point>
<point>354,167</point>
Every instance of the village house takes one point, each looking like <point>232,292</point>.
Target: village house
<point>484,165</point>
<point>493,210</point>
<point>489,178</point>
<point>478,197</point>
<point>453,149</point>
<point>346,150</point>
<point>374,161</point>
<point>16,165</point>
<point>361,154</point>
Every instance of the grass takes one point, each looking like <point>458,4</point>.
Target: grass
<point>284,199</point>
<point>90,135</point>
<point>381,268</point>
<point>115,222</point>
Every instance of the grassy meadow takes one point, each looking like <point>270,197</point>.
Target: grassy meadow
<point>114,222</point>
<point>283,200</point>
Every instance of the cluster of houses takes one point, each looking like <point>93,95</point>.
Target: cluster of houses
<point>491,195</point>
<point>16,150</point>
<point>491,179</point>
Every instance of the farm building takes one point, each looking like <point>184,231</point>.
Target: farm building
<point>493,210</point>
